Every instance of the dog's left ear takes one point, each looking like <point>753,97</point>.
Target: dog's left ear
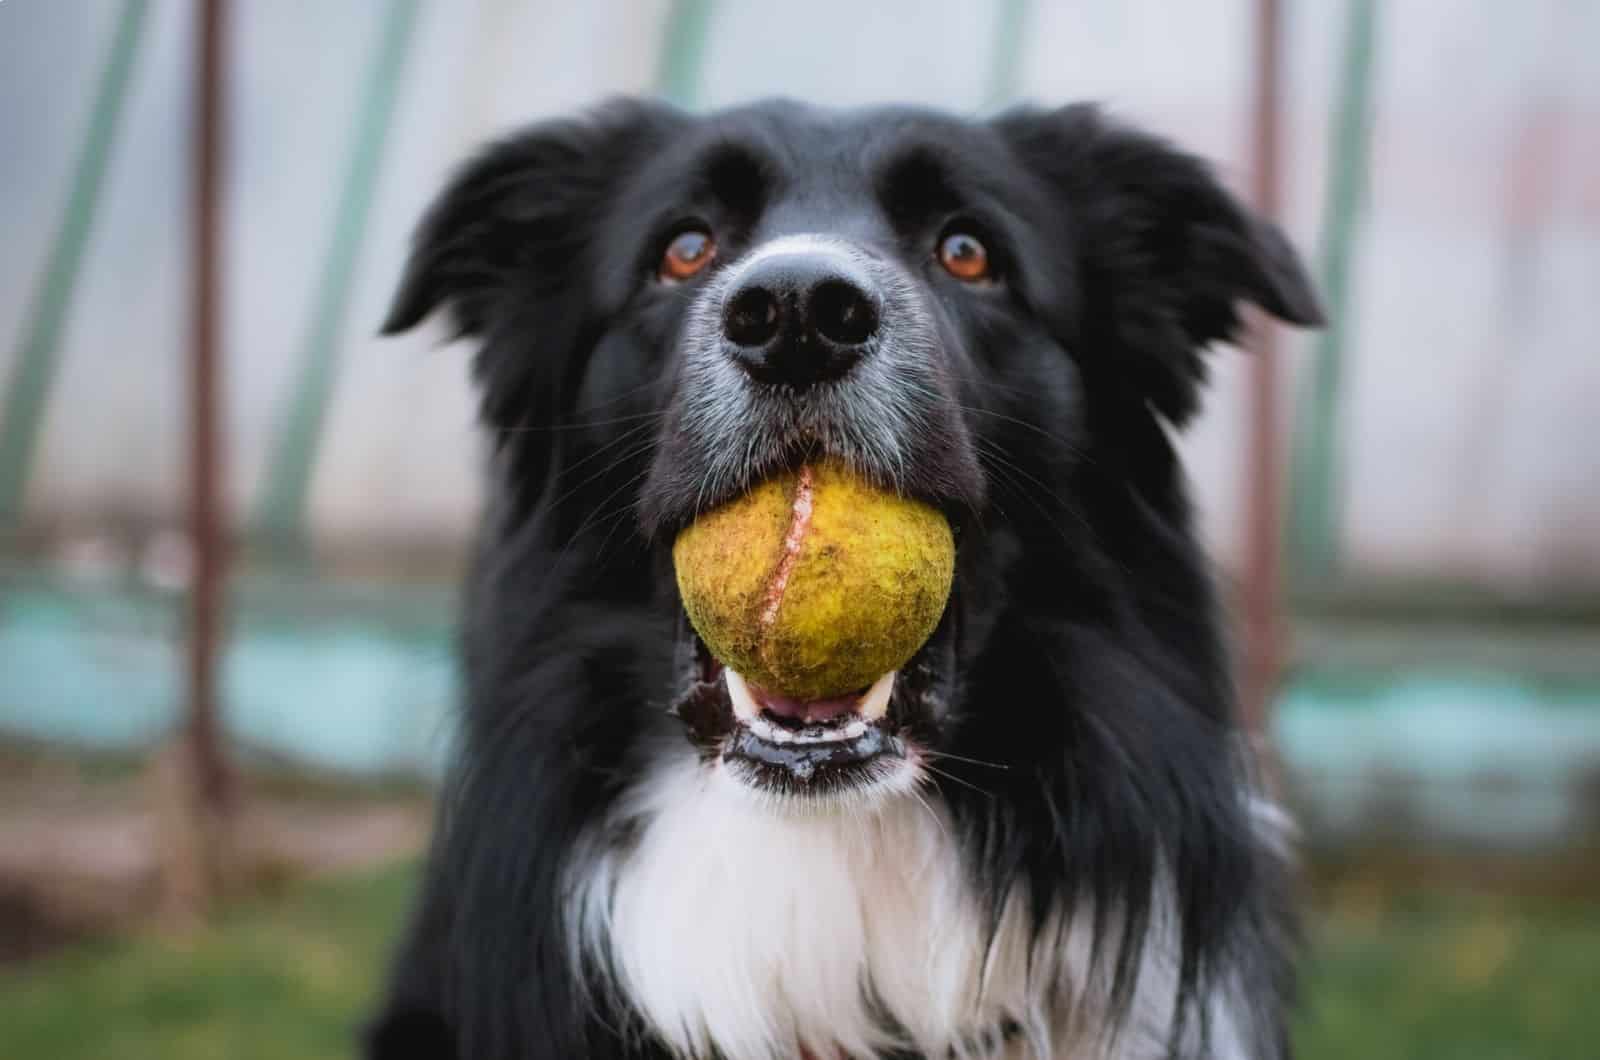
<point>508,252</point>
<point>1163,253</point>
<point>518,216</point>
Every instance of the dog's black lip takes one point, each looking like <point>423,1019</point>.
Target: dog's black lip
<point>705,708</point>
<point>814,762</point>
<point>707,714</point>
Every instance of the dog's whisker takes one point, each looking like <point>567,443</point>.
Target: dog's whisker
<point>623,395</point>
<point>1034,427</point>
<point>993,385</point>
<point>615,519</point>
<point>582,425</point>
<point>932,813</point>
<point>632,434</point>
<point>631,454</point>
<point>1007,470</point>
<point>930,767</point>
<point>607,499</point>
<point>1009,474</point>
<point>962,758</point>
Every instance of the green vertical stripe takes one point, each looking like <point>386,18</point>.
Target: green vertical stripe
<point>280,517</point>
<point>28,390</point>
<point>683,46</point>
<point>1005,58</point>
<point>1315,493</point>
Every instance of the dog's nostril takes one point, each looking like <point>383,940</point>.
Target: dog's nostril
<point>842,313</point>
<point>752,317</point>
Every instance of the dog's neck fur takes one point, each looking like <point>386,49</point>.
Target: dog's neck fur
<point>736,929</point>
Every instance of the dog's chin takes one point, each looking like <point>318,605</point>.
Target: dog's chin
<point>842,752</point>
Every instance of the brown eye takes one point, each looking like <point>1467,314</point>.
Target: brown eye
<point>964,257</point>
<point>687,255</point>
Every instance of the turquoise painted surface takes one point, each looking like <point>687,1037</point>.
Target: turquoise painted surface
<point>364,689</point>
<point>100,673</point>
<point>1458,755</point>
<point>361,680</point>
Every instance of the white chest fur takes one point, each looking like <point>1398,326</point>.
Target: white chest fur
<point>735,925</point>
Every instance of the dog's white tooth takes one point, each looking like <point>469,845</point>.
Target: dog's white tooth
<point>875,704</point>
<point>823,733</point>
<point>764,729</point>
<point>745,707</point>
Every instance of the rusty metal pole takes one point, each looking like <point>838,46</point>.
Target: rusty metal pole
<point>1262,574</point>
<point>205,436</point>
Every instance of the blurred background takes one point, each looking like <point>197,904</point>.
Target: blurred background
<point>231,518</point>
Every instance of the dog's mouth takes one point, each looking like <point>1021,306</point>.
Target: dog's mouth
<point>870,738</point>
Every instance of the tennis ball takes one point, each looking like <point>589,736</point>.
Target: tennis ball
<point>815,583</point>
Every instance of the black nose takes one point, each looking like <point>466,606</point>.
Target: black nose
<point>800,318</point>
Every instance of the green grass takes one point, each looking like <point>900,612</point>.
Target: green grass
<point>1448,977</point>
<point>1430,976</point>
<point>287,978</point>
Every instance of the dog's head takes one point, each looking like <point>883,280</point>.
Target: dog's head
<point>992,316</point>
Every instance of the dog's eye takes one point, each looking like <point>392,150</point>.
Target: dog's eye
<point>687,255</point>
<point>964,257</point>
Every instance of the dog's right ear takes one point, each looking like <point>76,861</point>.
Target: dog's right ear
<point>519,215</point>
<point>1164,254</point>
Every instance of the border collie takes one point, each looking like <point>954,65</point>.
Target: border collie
<point>1051,844</point>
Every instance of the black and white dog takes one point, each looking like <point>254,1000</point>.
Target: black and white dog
<point>1050,844</point>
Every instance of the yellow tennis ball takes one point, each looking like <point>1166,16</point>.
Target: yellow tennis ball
<point>815,583</point>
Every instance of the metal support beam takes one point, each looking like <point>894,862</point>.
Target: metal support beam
<point>1005,58</point>
<point>205,428</point>
<point>1314,487</point>
<point>28,390</point>
<point>280,517</point>
<point>1263,621</point>
<point>683,46</point>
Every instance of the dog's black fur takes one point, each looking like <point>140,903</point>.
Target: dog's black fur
<point>1086,651</point>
